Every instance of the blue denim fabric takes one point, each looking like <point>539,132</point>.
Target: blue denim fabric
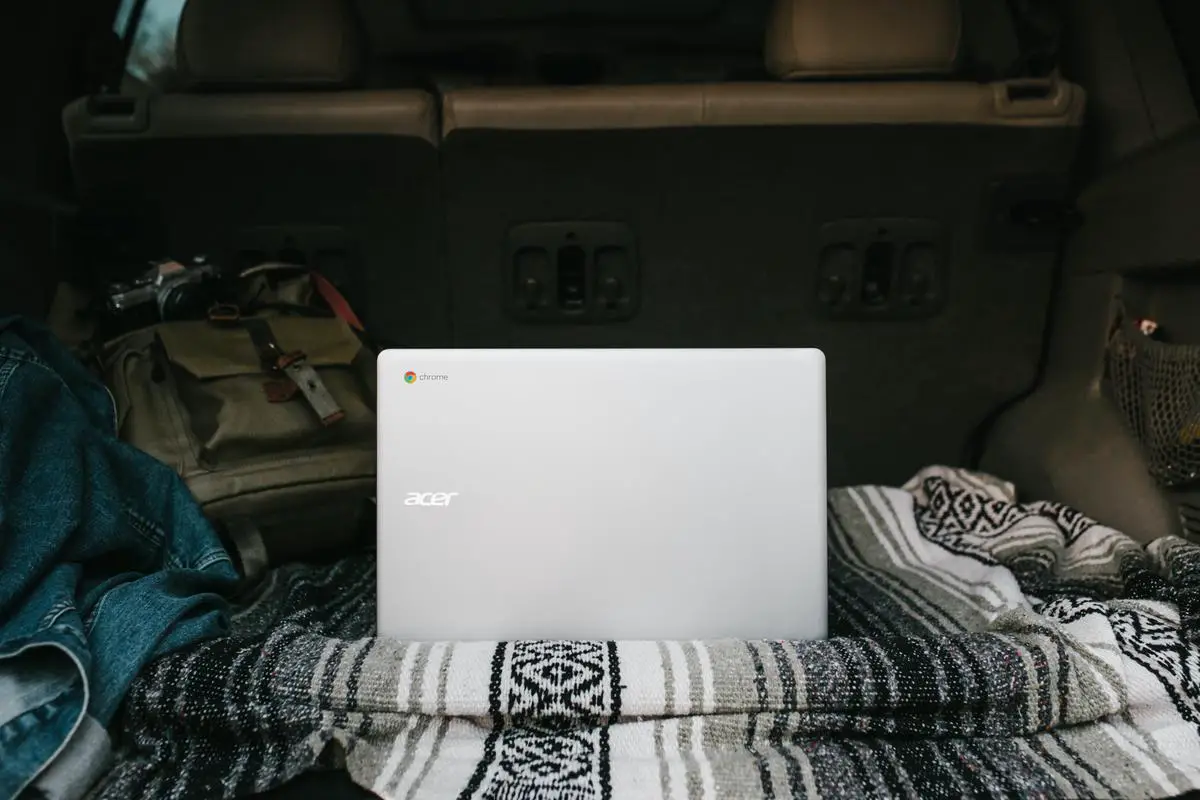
<point>106,561</point>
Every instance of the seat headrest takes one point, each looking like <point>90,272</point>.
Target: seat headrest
<point>268,45</point>
<point>862,38</point>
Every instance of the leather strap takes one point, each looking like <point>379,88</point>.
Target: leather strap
<point>269,351</point>
<point>336,302</point>
<point>295,369</point>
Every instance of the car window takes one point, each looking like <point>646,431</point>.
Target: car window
<point>151,62</point>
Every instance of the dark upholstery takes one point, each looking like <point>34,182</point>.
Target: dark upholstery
<point>727,222</point>
<point>368,202</point>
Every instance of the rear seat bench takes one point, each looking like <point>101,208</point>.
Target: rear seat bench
<point>738,199</point>
<point>867,201</point>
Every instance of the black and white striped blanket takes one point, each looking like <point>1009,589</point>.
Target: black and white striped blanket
<point>982,648</point>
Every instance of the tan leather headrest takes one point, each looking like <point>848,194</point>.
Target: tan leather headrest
<point>269,45</point>
<point>862,38</point>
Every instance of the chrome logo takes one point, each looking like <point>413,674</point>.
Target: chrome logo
<point>409,377</point>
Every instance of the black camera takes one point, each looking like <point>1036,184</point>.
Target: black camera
<point>168,291</point>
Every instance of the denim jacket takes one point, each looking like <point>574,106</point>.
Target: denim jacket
<point>105,563</point>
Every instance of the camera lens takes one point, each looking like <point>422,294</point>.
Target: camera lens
<point>182,302</point>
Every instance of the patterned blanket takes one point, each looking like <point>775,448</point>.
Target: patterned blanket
<point>981,648</point>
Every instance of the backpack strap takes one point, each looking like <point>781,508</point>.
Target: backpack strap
<point>336,302</point>
<point>294,373</point>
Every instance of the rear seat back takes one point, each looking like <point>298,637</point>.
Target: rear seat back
<point>270,151</point>
<point>892,223</point>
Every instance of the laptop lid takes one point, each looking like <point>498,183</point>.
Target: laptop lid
<point>601,494</point>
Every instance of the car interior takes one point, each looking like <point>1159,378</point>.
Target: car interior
<point>973,208</point>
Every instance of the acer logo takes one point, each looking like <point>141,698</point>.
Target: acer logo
<point>429,498</point>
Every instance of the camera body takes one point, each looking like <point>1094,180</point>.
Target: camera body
<point>169,290</point>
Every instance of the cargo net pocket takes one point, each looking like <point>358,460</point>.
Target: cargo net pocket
<point>1157,387</point>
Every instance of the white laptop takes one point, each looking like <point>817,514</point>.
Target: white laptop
<point>601,494</point>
